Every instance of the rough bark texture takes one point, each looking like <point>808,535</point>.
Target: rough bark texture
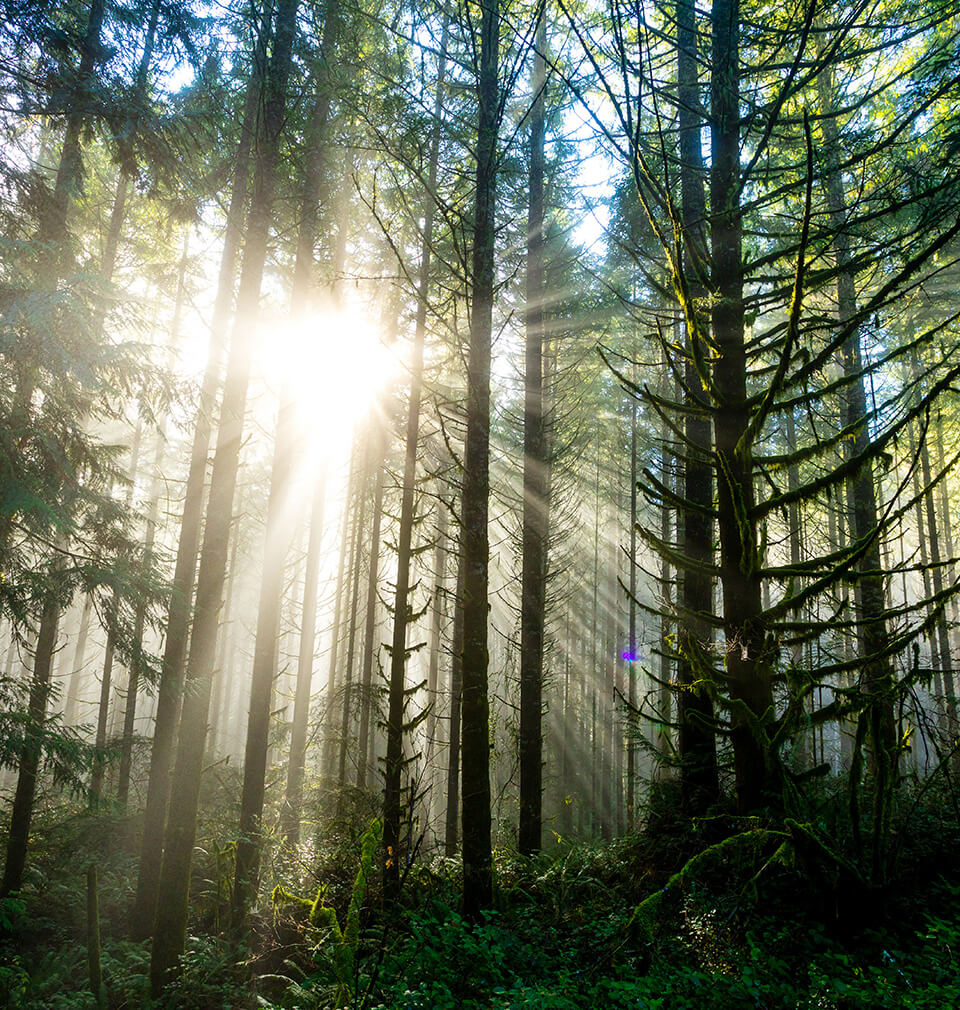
<point>747,663</point>
<point>699,782</point>
<point>475,740</point>
<point>533,576</point>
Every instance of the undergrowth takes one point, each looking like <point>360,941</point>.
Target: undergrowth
<point>710,915</point>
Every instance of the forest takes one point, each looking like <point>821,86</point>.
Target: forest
<point>478,484</point>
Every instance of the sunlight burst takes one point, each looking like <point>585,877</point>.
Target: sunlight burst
<point>334,366</point>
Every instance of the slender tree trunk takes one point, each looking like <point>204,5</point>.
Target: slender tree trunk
<point>398,652</point>
<point>226,644</point>
<point>355,568</point>
<point>136,665</point>
<point>535,482</point>
<point>317,157</point>
<point>94,971</point>
<point>475,744</point>
<point>103,710</point>
<point>936,574</point>
<point>925,575</point>
<point>171,913</point>
<point>369,632</point>
<point>946,520</point>
<point>433,670</point>
<point>290,818</point>
<point>169,690</point>
<point>876,677</point>
<point>30,754</point>
<point>276,549</point>
<point>632,632</point>
<point>794,535</point>
<point>348,553</point>
<point>456,697</point>
<point>76,668</point>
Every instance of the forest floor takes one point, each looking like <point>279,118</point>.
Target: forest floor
<point>764,917</point>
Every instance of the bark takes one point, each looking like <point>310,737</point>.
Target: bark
<point>94,970</point>
<point>747,661</point>
<point>936,574</point>
<point>355,567</point>
<point>170,688</point>
<point>316,164</point>
<point>76,667</point>
<point>171,913</point>
<point>475,743</point>
<point>876,677</point>
<point>369,632</point>
<point>433,670</point>
<point>276,549</point>
<point>290,818</point>
<point>699,781</point>
<point>456,696</point>
<point>29,763</point>
<point>224,687</point>
<point>535,481</point>
<point>344,570</point>
<point>632,619</point>
<point>136,666</point>
<point>398,652</point>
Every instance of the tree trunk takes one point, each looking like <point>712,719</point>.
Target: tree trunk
<point>30,754</point>
<point>347,550</point>
<point>940,628</point>
<point>103,710</point>
<point>747,661</point>
<point>355,567</point>
<point>133,682</point>
<point>876,677</point>
<point>699,781</point>
<point>632,621</point>
<point>169,689</point>
<point>456,696</point>
<point>535,505</point>
<point>398,651</point>
<point>276,549</point>
<point>475,744</point>
<point>76,668</point>
<point>433,670</point>
<point>171,918</point>
<point>369,631</point>
<point>290,818</point>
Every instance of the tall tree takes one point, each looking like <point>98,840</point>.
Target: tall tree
<point>401,606</point>
<point>475,545</point>
<point>169,932</point>
<point>179,611</point>
<point>535,476</point>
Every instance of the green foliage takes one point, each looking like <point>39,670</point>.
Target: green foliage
<point>341,943</point>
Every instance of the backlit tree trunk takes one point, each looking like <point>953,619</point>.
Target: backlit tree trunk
<point>171,916</point>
